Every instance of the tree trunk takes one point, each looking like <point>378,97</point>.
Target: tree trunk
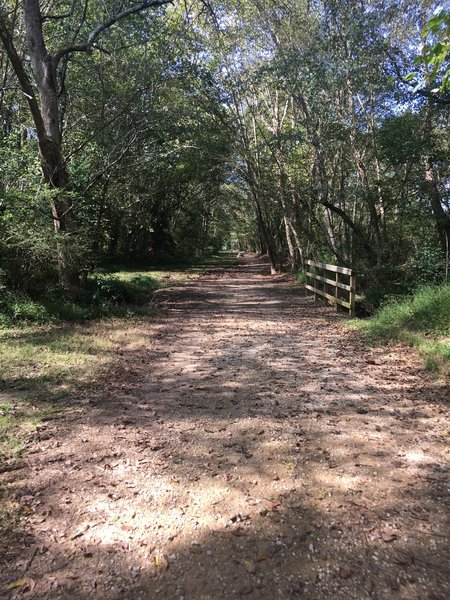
<point>441,217</point>
<point>271,253</point>
<point>49,141</point>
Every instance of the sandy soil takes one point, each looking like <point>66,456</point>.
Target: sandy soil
<point>252,447</point>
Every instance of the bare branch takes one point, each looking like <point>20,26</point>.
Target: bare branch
<point>107,24</point>
<point>22,76</point>
<point>60,17</point>
<point>55,17</point>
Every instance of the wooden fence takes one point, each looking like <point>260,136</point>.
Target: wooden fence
<point>321,284</point>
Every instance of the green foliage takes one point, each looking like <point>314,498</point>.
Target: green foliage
<point>300,116</point>
<point>104,296</point>
<point>427,265</point>
<point>45,362</point>
<point>379,283</point>
<point>18,307</point>
<point>27,243</point>
<point>111,290</point>
<point>426,311</point>
<point>30,249</point>
<point>122,288</point>
<point>436,54</point>
<point>421,320</point>
<point>108,293</point>
<point>400,138</point>
<point>300,276</point>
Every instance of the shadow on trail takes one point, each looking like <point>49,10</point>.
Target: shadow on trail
<point>253,451</point>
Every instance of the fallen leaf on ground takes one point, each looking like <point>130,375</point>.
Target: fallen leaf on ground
<point>26,583</point>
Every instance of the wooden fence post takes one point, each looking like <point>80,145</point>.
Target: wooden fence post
<point>352,298</point>
<point>338,290</point>
<point>315,288</point>
<point>331,289</point>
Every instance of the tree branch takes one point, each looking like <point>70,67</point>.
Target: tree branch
<point>353,226</point>
<point>24,81</point>
<point>107,24</point>
<point>442,99</point>
<point>55,17</point>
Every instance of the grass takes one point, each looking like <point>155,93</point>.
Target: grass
<point>106,295</point>
<point>300,276</point>
<point>45,372</point>
<point>116,291</point>
<point>17,421</point>
<point>47,360</point>
<point>52,352</point>
<point>421,321</point>
<point>44,369</point>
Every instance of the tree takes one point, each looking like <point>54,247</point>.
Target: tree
<point>49,71</point>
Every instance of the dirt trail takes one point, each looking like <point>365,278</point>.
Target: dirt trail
<point>252,448</point>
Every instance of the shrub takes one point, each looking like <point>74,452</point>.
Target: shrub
<point>427,266</point>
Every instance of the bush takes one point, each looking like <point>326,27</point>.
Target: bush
<point>104,288</point>
<point>427,266</point>
<point>29,247</point>
<point>300,276</point>
<point>105,295</point>
<point>380,284</point>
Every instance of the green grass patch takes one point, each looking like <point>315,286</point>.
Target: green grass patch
<point>46,361</point>
<point>116,291</point>
<point>55,353</point>
<point>52,350</point>
<point>300,276</point>
<point>19,419</point>
<point>421,320</point>
<point>105,295</point>
<point>46,370</point>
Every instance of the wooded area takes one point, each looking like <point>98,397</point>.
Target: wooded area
<point>159,131</point>
<point>179,417</point>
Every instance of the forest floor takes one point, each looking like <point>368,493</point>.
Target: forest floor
<point>250,445</point>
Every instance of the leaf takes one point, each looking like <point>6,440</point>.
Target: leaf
<point>262,557</point>
<point>81,531</point>
<point>23,582</point>
<point>323,495</point>
<point>388,535</point>
<point>31,585</point>
<point>159,561</point>
<point>250,566</point>
<point>16,584</point>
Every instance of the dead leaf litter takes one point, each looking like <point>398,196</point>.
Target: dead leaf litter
<point>253,447</point>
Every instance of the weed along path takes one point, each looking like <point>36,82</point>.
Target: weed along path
<point>248,445</point>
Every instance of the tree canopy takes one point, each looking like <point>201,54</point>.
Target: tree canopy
<point>160,131</point>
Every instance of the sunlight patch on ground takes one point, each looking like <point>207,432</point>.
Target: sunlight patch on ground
<point>416,456</point>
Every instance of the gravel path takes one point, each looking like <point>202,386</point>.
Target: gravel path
<point>251,447</point>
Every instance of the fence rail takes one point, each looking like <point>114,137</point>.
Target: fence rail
<point>322,284</point>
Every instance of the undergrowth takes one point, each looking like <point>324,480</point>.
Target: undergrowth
<point>52,350</point>
<point>105,295</point>
<point>116,291</point>
<point>421,320</point>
